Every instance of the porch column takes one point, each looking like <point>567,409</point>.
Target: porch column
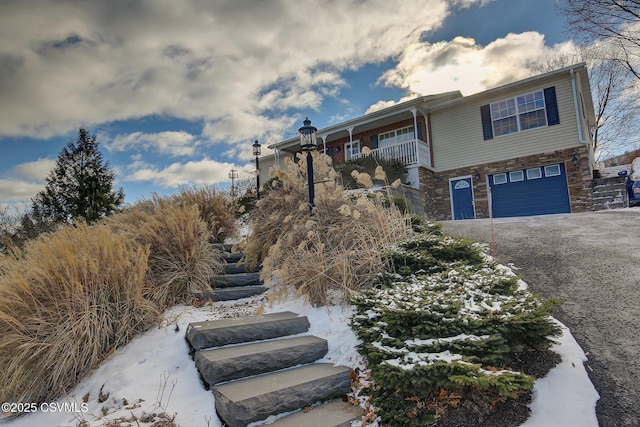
<point>350,130</point>
<point>324,143</point>
<point>415,133</point>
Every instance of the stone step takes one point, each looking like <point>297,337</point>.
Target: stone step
<point>235,267</point>
<point>231,257</point>
<point>224,247</point>
<point>238,279</point>
<point>217,333</point>
<point>331,414</point>
<point>239,361</point>
<point>230,294</point>
<point>256,398</point>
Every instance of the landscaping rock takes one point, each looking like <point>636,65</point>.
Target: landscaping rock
<point>239,361</point>
<point>252,399</point>
<point>331,414</point>
<point>219,333</point>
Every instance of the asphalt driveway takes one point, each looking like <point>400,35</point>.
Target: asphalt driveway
<point>592,261</point>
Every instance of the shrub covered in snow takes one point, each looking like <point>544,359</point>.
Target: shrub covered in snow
<point>447,321</point>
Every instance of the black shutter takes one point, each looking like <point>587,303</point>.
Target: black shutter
<point>419,125</point>
<point>487,129</point>
<point>374,142</point>
<point>552,106</point>
<point>330,152</point>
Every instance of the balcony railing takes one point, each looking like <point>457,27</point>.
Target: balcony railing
<point>414,152</point>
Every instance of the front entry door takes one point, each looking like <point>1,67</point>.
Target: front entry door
<point>462,198</point>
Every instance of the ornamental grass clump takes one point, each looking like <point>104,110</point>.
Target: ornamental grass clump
<point>217,209</point>
<point>447,322</point>
<point>181,257</point>
<point>338,248</point>
<point>67,300</point>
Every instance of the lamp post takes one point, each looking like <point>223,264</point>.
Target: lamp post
<point>233,174</point>
<point>256,152</point>
<point>308,144</point>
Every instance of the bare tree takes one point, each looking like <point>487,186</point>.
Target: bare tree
<point>615,23</point>
<point>615,95</point>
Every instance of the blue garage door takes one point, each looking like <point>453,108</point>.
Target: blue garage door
<point>533,191</point>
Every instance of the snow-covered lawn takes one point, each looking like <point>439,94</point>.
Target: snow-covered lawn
<point>154,373</point>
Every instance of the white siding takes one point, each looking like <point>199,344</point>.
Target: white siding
<point>457,130</point>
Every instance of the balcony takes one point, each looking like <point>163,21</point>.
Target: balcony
<point>412,153</point>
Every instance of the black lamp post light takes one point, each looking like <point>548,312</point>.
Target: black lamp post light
<point>257,150</point>
<point>308,143</point>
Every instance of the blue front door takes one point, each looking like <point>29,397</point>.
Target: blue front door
<point>462,198</point>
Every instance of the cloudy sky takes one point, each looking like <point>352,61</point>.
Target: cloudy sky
<point>177,91</point>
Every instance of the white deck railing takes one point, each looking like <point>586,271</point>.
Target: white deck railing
<point>414,152</point>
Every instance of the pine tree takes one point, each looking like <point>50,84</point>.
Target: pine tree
<point>80,186</point>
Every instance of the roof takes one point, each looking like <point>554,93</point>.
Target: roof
<point>389,114</point>
<point>580,69</point>
<point>425,104</point>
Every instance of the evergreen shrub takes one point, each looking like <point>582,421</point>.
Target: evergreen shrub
<point>446,321</point>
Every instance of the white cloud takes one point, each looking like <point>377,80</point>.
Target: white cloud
<point>462,64</point>
<point>13,190</point>
<point>381,105</point>
<point>172,143</point>
<point>23,181</point>
<point>33,171</point>
<point>106,61</point>
<point>201,172</point>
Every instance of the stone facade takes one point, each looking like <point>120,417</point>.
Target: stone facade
<point>436,197</point>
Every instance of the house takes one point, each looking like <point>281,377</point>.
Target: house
<point>524,148</point>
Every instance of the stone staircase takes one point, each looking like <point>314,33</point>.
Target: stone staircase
<point>262,366</point>
<point>236,281</point>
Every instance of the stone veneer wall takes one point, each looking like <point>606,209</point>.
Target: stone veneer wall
<point>436,197</point>
<point>413,196</point>
<point>610,193</point>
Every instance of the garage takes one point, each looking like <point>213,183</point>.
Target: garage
<point>538,190</point>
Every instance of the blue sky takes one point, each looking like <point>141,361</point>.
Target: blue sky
<point>177,91</point>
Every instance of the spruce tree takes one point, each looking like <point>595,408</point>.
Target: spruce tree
<point>80,186</point>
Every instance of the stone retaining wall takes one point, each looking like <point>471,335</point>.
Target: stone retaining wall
<point>610,193</point>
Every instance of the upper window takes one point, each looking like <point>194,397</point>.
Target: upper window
<point>520,113</point>
<point>396,136</point>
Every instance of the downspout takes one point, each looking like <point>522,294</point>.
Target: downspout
<point>576,103</point>
<point>581,138</point>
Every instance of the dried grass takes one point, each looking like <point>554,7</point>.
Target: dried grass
<point>216,209</point>
<point>67,301</point>
<point>338,248</point>
<point>181,257</point>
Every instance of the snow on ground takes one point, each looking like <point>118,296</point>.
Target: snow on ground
<point>154,373</point>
